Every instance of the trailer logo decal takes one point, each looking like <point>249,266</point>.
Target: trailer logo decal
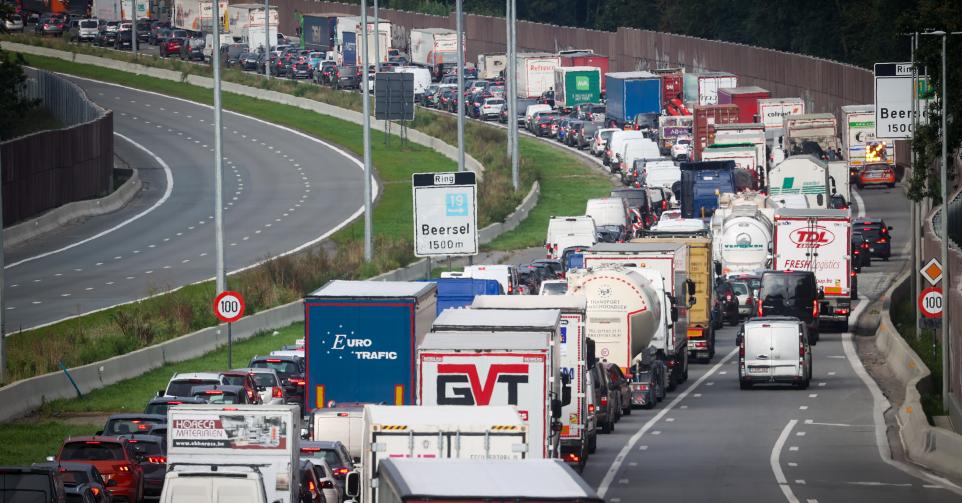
<point>476,393</point>
<point>812,237</point>
<point>342,342</point>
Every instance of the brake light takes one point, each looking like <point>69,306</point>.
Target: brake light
<point>310,486</point>
<point>728,296</point>
<point>815,309</point>
<point>213,392</point>
<point>759,309</point>
<point>841,310</point>
<point>664,204</point>
<point>277,392</point>
<point>340,472</point>
<point>95,491</point>
<point>643,386</point>
<point>572,458</point>
<point>296,380</point>
<point>883,240</point>
<point>123,468</point>
<point>230,409</point>
<point>174,403</point>
<point>741,348</point>
<point>801,348</point>
<point>156,459</point>
<point>92,442</point>
<point>342,414</point>
<point>604,401</point>
<point>865,245</point>
<point>591,408</point>
<point>310,449</point>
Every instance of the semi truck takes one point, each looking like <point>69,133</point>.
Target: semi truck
<point>746,98</point>
<point>815,134</point>
<point>359,340</point>
<point>859,144</point>
<point>536,73</point>
<point>320,31</point>
<point>587,58</point>
<point>492,66</point>
<point>802,175</point>
<point>706,118</point>
<point>671,128</point>
<point>820,241</point>
<point>444,433</point>
<point>576,441</point>
<point>701,273</point>
<point>742,239</point>
<point>378,41</point>
<point>742,133</point>
<point>111,10</point>
<point>744,155</point>
<point>701,88</point>
<point>701,184</point>
<point>435,49</point>
<point>236,448</point>
<point>672,90</point>
<point>243,17</point>
<point>623,312</point>
<point>630,94</point>
<point>669,347</point>
<point>772,111</point>
<point>478,481</point>
<point>574,85</point>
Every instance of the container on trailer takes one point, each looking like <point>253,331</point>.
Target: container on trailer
<point>701,88</point>
<point>741,133</point>
<point>461,292</point>
<point>772,111</point>
<point>587,59</point>
<point>705,118</point>
<point>630,94</point>
<point>744,155</point>
<point>701,184</point>
<point>492,66</point>
<point>801,175</point>
<point>536,73</point>
<point>434,48</point>
<point>746,98</point>
<point>859,143</point>
<point>320,31</point>
<point>576,85</point>
<point>360,337</point>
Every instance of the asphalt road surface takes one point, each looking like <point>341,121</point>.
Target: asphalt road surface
<point>282,190</point>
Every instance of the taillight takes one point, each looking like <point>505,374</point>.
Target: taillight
<point>156,459</point>
<point>277,392</point>
<point>664,204</point>
<point>801,348</point>
<point>341,472</point>
<point>815,309</point>
<point>591,408</point>
<point>297,381</point>
<point>759,309</point>
<point>310,486</point>
<point>604,401</point>
<point>741,348</point>
<point>572,458</point>
<point>883,240</point>
<point>123,468</point>
<point>841,310</point>
<point>728,296</point>
<point>865,246</point>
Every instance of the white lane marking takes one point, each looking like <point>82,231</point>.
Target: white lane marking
<point>836,356</point>
<point>656,432</point>
<point>877,484</point>
<point>792,464</point>
<point>800,434</point>
<point>811,500</point>
<point>932,486</point>
<point>813,395</point>
<point>800,482</point>
<point>881,404</point>
<point>619,459</point>
<point>773,460</point>
<point>860,203</point>
<point>642,447</point>
<point>803,407</point>
<point>163,199</point>
<point>831,373</point>
<point>822,384</point>
<point>839,425</point>
<point>793,448</point>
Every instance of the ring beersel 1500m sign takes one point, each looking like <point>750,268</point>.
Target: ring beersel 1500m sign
<point>445,214</point>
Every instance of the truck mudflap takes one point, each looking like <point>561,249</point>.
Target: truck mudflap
<point>701,342</point>
<point>835,310</point>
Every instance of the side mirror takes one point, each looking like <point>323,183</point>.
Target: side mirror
<point>566,394</point>
<point>820,199</point>
<point>160,393</point>
<point>674,314</point>
<point>691,301</point>
<point>890,227</point>
<point>352,484</point>
<point>100,432</point>
<point>718,268</point>
<point>691,287</point>
<point>556,408</point>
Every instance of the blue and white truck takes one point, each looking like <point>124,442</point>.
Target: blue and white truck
<point>360,338</point>
<point>630,94</point>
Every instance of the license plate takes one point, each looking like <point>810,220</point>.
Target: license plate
<point>758,370</point>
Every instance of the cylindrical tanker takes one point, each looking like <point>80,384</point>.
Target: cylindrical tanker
<point>744,241</point>
<point>623,311</point>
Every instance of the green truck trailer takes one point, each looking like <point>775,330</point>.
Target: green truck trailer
<point>574,85</point>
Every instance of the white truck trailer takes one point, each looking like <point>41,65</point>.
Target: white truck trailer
<point>809,134</point>
<point>213,443</point>
<point>536,73</point>
<point>576,441</point>
<point>491,66</point>
<point>820,241</point>
<point>801,175</point>
<point>437,432</point>
<point>859,144</point>
<point>435,49</point>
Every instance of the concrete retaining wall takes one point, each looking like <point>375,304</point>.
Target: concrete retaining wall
<point>445,149</point>
<point>53,219</point>
<point>935,448</point>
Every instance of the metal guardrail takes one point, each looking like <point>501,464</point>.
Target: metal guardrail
<point>64,99</point>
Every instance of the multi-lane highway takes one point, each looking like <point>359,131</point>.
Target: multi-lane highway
<point>282,191</point>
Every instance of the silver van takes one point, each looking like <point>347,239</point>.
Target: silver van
<point>774,350</point>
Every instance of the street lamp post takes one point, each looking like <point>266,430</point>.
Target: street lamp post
<point>460,29</point>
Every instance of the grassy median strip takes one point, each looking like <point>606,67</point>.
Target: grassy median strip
<point>31,439</point>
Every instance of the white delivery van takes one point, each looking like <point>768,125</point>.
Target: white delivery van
<point>616,147</point>
<point>343,424</point>
<point>573,363</point>
<point>422,78</point>
<point>635,149</point>
<point>506,275</point>
<point>569,232</point>
<point>608,211</point>
<point>774,350</point>
<point>437,432</point>
<point>663,173</point>
<point>206,442</point>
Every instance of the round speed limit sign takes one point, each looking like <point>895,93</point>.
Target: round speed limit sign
<point>229,306</point>
<point>930,302</point>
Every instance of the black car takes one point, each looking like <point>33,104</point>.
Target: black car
<point>249,61</point>
<point>791,293</point>
<point>573,135</point>
<point>31,483</point>
<point>334,453</point>
<point>346,77</point>
<point>531,276</point>
<point>157,28</point>
<point>606,415</point>
<point>542,126</point>
<point>81,482</point>
<point>301,70</point>
<point>325,75</point>
<point>620,385</point>
<point>290,369</point>
<point>231,54</point>
<point>861,251</point>
<point>123,40</point>
<point>554,268</point>
<point>727,301</point>
<point>159,405</point>
<point>193,49</point>
<point>877,234</point>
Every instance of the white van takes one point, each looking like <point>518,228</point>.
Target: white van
<point>567,232</point>
<point>637,148</point>
<point>774,350</point>
<point>608,211</point>
<point>342,424</point>
<point>507,275</point>
<point>661,173</point>
<point>422,78</point>
<point>616,147</point>
<point>531,110</point>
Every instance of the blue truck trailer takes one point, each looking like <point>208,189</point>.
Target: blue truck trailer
<point>630,94</point>
<point>701,183</point>
<point>319,32</point>
<point>460,292</point>
<point>360,339</point>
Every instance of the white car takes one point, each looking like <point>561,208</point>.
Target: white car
<point>269,385</point>
<point>553,287</point>
<point>774,350</point>
<point>182,383</point>
<point>681,149</point>
<point>600,139</point>
<point>13,23</point>
<point>491,108</point>
<point>325,479</point>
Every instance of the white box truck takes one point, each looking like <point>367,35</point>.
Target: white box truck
<point>801,134</point>
<point>859,144</point>
<point>566,234</point>
<point>840,181</point>
<point>801,175</point>
<point>437,432</point>
<point>772,111</point>
<point>820,241</point>
<point>435,49</point>
<point>536,73</point>
<point>576,441</point>
<point>702,88</point>
<point>542,335</point>
<point>491,66</point>
<point>209,446</point>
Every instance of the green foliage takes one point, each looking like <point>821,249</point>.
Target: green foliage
<point>15,107</point>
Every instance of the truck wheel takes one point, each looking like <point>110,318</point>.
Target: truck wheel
<point>672,381</point>
<point>744,385</point>
<point>607,427</point>
<point>626,412</point>
<point>650,404</point>
<point>804,384</point>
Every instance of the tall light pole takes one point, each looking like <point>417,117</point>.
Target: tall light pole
<point>914,209</point>
<point>508,84</point>
<point>513,120</point>
<point>366,100</point>
<point>133,29</point>
<point>460,29</point>
<point>221,280</point>
<point>267,39</point>
<point>3,297</point>
<point>377,39</point>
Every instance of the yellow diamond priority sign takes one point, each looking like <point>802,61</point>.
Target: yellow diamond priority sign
<point>932,271</point>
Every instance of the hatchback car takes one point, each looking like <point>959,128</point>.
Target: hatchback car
<point>221,394</point>
<point>13,23</point>
<point>129,424</point>
<point>245,380</point>
<point>82,482</point>
<point>151,452</point>
<point>774,350</point>
<point>861,251</point>
<point>50,25</point>
<point>181,384</point>
<point>620,385</point>
<point>111,456</point>
<point>746,299</point>
<point>878,235</point>
<point>268,385</point>
<point>334,454</point>
<point>301,70</point>
<point>291,371</point>
<point>874,175</point>
<point>171,47</point>
<point>346,77</point>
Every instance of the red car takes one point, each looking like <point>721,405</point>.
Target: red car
<point>171,46</point>
<point>245,379</point>
<point>875,174</point>
<point>111,456</point>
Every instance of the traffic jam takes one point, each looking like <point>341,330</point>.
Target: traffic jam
<point>733,207</point>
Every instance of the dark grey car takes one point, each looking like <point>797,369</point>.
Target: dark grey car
<point>607,406</point>
<point>346,78</point>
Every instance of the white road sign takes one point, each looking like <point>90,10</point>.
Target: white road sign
<point>445,214</point>
<point>893,100</point>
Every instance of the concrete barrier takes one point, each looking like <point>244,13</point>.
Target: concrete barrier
<point>442,147</point>
<point>57,217</point>
<point>937,449</point>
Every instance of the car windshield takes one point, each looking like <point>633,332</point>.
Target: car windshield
<point>329,455</point>
<point>235,380</point>
<point>635,198</point>
<point>157,408</point>
<point>88,24</point>
<point>183,387</point>
<point>92,451</point>
<point>797,290</point>
<point>219,397</point>
<point>264,379</point>
<point>554,288</point>
<point>740,288</point>
<point>143,447</point>
<point>74,477</point>
<point>128,426</point>
<point>282,367</point>
<point>870,230</point>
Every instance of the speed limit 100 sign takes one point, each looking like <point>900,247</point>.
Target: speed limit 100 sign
<point>930,302</point>
<point>229,306</point>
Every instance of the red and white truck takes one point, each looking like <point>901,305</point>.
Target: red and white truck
<point>576,441</point>
<point>820,241</point>
<point>498,357</point>
<point>435,49</point>
<point>536,73</point>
